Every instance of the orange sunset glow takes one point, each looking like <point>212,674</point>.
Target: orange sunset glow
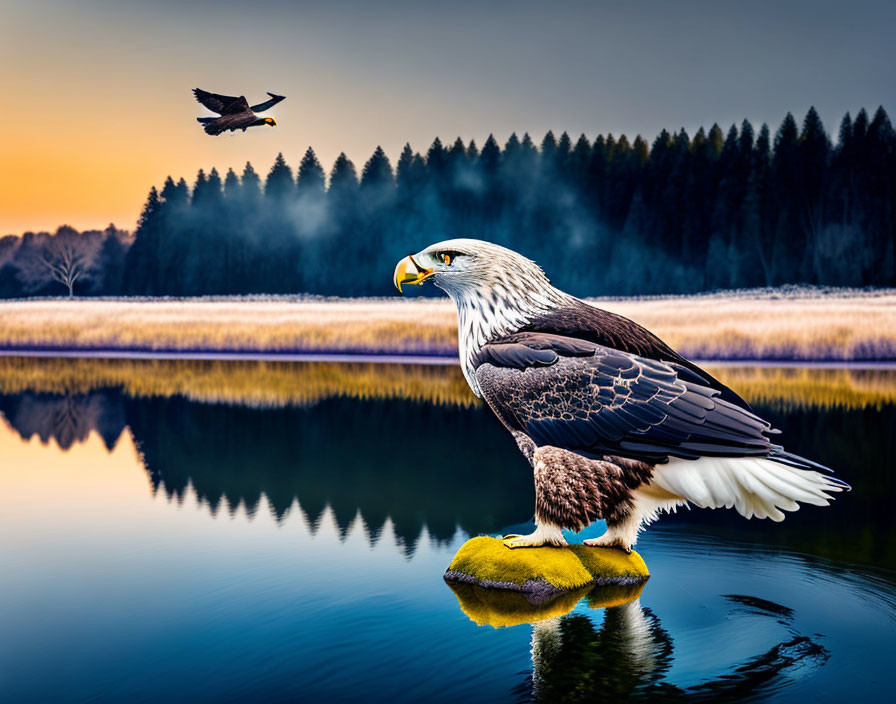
<point>98,104</point>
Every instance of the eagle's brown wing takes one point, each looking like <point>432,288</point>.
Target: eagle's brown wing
<point>581,396</point>
<point>221,104</point>
<point>583,321</point>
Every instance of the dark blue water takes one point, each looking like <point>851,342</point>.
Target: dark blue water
<point>158,548</point>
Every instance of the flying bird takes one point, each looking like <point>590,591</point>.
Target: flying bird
<point>615,423</point>
<point>234,113</point>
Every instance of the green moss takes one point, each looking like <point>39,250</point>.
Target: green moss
<point>610,564</point>
<point>488,562</point>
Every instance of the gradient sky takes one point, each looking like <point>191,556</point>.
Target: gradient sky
<point>97,103</point>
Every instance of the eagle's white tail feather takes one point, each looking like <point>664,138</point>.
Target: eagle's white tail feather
<point>757,487</point>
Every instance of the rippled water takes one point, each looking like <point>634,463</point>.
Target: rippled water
<point>274,532</point>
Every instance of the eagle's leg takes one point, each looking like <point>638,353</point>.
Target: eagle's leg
<point>637,508</point>
<point>568,492</point>
<point>572,491</point>
<point>545,533</point>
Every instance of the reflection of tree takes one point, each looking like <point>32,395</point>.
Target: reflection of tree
<point>629,656</point>
<point>420,463</point>
<point>66,419</point>
<point>414,464</point>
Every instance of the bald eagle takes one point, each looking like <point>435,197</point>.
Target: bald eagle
<point>615,423</point>
<point>234,113</point>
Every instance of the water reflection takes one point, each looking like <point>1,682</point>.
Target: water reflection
<point>344,445</point>
<point>67,419</point>
<point>213,589</point>
<point>351,457</point>
<point>624,653</point>
<point>278,384</point>
<point>629,656</point>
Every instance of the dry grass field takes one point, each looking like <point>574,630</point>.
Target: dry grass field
<point>278,384</point>
<point>712,327</point>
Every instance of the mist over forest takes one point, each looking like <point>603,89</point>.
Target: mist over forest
<point>715,210</point>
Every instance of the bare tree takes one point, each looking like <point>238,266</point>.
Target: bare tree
<point>66,257</point>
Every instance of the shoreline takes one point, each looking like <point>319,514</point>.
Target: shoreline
<point>372,357</point>
<point>827,329</point>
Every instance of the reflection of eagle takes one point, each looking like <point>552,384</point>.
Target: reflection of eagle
<point>630,656</point>
<point>235,113</point>
<point>616,424</point>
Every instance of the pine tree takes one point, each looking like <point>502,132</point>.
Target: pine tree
<point>212,189</point>
<point>377,192</point>
<point>110,264</point>
<point>436,167</point>
<point>762,200</point>
<point>404,175</point>
<point>279,184</point>
<point>564,148</point>
<point>579,160</point>
<point>342,204</point>
<point>879,186</point>
<point>377,172</point>
<point>343,177</point>
<point>548,151</point>
<point>138,269</point>
<point>311,179</point>
<point>231,186</point>
<point>198,188</point>
<point>251,185</point>
<point>814,155</point>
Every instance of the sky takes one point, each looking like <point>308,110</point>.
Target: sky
<point>97,103</point>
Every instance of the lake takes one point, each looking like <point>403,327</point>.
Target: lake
<point>278,531</point>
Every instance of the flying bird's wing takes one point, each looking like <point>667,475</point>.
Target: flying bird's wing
<point>587,398</point>
<point>268,104</point>
<point>221,104</point>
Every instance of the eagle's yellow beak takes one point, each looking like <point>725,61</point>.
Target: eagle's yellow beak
<point>407,272</point>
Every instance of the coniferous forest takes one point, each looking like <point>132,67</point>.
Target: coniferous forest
<point>686,213</point>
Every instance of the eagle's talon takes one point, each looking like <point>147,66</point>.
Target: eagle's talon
<point>518,541</point>
<point>603,542</point>
<point>540,538</point>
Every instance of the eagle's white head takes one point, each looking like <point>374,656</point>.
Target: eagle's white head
<point>496,290</point>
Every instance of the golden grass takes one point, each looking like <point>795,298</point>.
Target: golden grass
<point>259,384</point>
<point>802,387</point>
<point>373,326</point>
<point>277,384</point>
<point>719,327</point>
<point>829,327</point>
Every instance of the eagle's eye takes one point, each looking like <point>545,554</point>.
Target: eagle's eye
<point>448,257</point>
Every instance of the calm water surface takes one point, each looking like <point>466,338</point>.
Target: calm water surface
<point>278,532</point>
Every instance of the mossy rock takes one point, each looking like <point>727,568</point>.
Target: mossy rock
<point>499,608</point>
<point>542,574</point>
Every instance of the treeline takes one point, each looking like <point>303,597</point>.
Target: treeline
<point>610,216</point>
